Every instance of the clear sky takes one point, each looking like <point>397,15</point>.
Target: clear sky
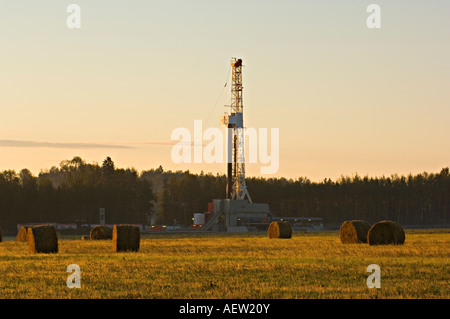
<point>346,99</point>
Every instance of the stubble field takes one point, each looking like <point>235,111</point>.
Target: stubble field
<point>173,266</point>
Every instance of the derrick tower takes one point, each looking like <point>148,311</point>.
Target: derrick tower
<point>234,121</point>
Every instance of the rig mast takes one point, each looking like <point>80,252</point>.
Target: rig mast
<point>237,212</point>
<point>234,121</point>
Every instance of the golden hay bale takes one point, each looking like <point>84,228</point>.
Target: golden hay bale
<point>126,238</point>
<point>42,239</point>
<point>386,232</point>
<point>280,229</point>
<point>100,232</point>
<point>22,234</point>
<point>354,231</point>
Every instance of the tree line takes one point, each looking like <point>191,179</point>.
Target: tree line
<point>76,190</point>
<point>422,199</point>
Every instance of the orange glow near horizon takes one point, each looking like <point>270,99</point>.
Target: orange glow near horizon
<point>346,99</point>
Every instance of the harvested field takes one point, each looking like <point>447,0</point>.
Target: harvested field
<point>246,265</point>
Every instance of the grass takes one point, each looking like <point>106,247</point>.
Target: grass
<point>250,265</point>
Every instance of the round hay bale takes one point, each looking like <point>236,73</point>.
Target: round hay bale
<point>22,234</point>
<point>280,229</point>
<point>126,238</point>
<point>101,232</point>
<point>42,239</point>
<point>386,232</point>
<point>354,231</point>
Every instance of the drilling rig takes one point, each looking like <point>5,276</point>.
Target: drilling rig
<point>236,212</point>
<point>234,121</point>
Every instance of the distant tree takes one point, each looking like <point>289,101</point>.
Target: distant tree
<point>164,205</point>
<point>108,167</point>
<point>10,176</point>
<point>27,179</point>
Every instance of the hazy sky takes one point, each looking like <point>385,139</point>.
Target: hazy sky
<point>346,99</point>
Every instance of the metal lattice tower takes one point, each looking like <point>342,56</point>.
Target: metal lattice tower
<point>236,188</point>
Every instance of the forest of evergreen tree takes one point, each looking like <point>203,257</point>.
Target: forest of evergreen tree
<point>76,190</point>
